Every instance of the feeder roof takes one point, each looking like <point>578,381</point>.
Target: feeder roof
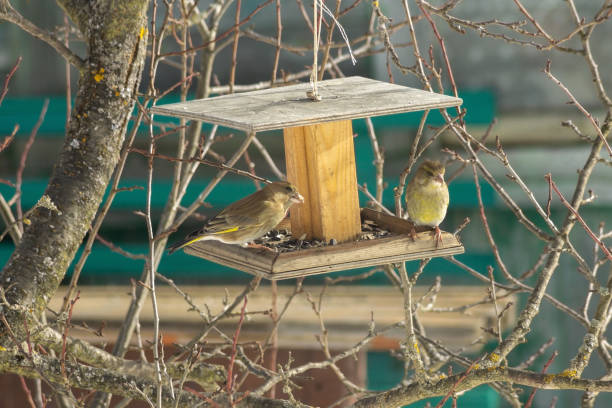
<point>287,106</point>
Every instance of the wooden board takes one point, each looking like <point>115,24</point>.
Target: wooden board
<point>350,255</point>
<point>321,163</point>
<point>347,310</point>
<point>277,108</point>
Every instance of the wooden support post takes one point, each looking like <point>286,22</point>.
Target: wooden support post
<point>321,163</point>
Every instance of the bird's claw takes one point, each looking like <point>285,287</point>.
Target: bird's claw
<point>437,235</point>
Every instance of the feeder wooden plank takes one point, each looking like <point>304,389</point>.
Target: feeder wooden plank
<point>390,222</point>
<point>349,255</point>
<point>361,254</point>
<point>276,108</point>
<point>234,256</point>
<point>321,163</point>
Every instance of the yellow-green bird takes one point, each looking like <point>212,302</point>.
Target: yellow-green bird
<point>248,218</point>
<point>427,197</point>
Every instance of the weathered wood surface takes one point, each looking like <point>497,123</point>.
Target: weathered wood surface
<point>346,312</point>
<point>254,261</point>
<point>277,108</point>
<point>321,163</point>
<point>360,254</point>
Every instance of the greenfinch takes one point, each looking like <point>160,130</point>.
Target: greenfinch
<point>248,218</point>
<point>427,197</point>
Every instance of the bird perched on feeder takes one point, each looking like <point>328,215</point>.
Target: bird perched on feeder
<point>427,197</point>
<point>248,218</point>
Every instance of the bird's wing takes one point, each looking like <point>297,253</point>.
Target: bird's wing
<point>228,222</point>
<point>445,195</point>
<point>220,224</point>
<point>238,215</point>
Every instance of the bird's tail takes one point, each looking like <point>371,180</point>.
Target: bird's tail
<point>187,241</point>
<point>178,245</point>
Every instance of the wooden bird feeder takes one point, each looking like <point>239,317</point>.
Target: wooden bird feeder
<point>320,161</point>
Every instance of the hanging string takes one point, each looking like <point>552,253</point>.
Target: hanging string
<point>313,93</point>
<point>318,8</point>
<point>341,29</point>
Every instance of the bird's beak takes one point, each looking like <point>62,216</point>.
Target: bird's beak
<point>440,178</point>
<point>297,198</point>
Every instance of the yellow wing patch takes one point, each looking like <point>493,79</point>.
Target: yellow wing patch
<point>196,239</point>
<point>228,230</point>
<point>201,237</point>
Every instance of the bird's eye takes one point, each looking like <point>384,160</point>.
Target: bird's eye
<point>288,188</point>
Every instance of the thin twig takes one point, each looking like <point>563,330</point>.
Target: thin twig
<point>22,161</point>
<point>494,299</point>
<point>266,155</point>
<point>544,369</point>
<point>8,13</point>
<point>601,245</point>
<point>459,381</point>
<point>232,78</point>
<point>8,77</point>
<point>27,392</point>
<point>575,102</point>
<point>230,368</point>
<point>220,166</point>
<point>65,335</point>
<point>278,42</point>
<point>411,351</point>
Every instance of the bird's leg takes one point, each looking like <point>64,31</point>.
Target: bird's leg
<point>262,248</point>
<point>413,233</point>
<point>437,234</point>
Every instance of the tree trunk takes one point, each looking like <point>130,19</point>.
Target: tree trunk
<point>116,35</point>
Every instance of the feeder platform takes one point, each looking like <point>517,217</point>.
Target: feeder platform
<point>320,160</point>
